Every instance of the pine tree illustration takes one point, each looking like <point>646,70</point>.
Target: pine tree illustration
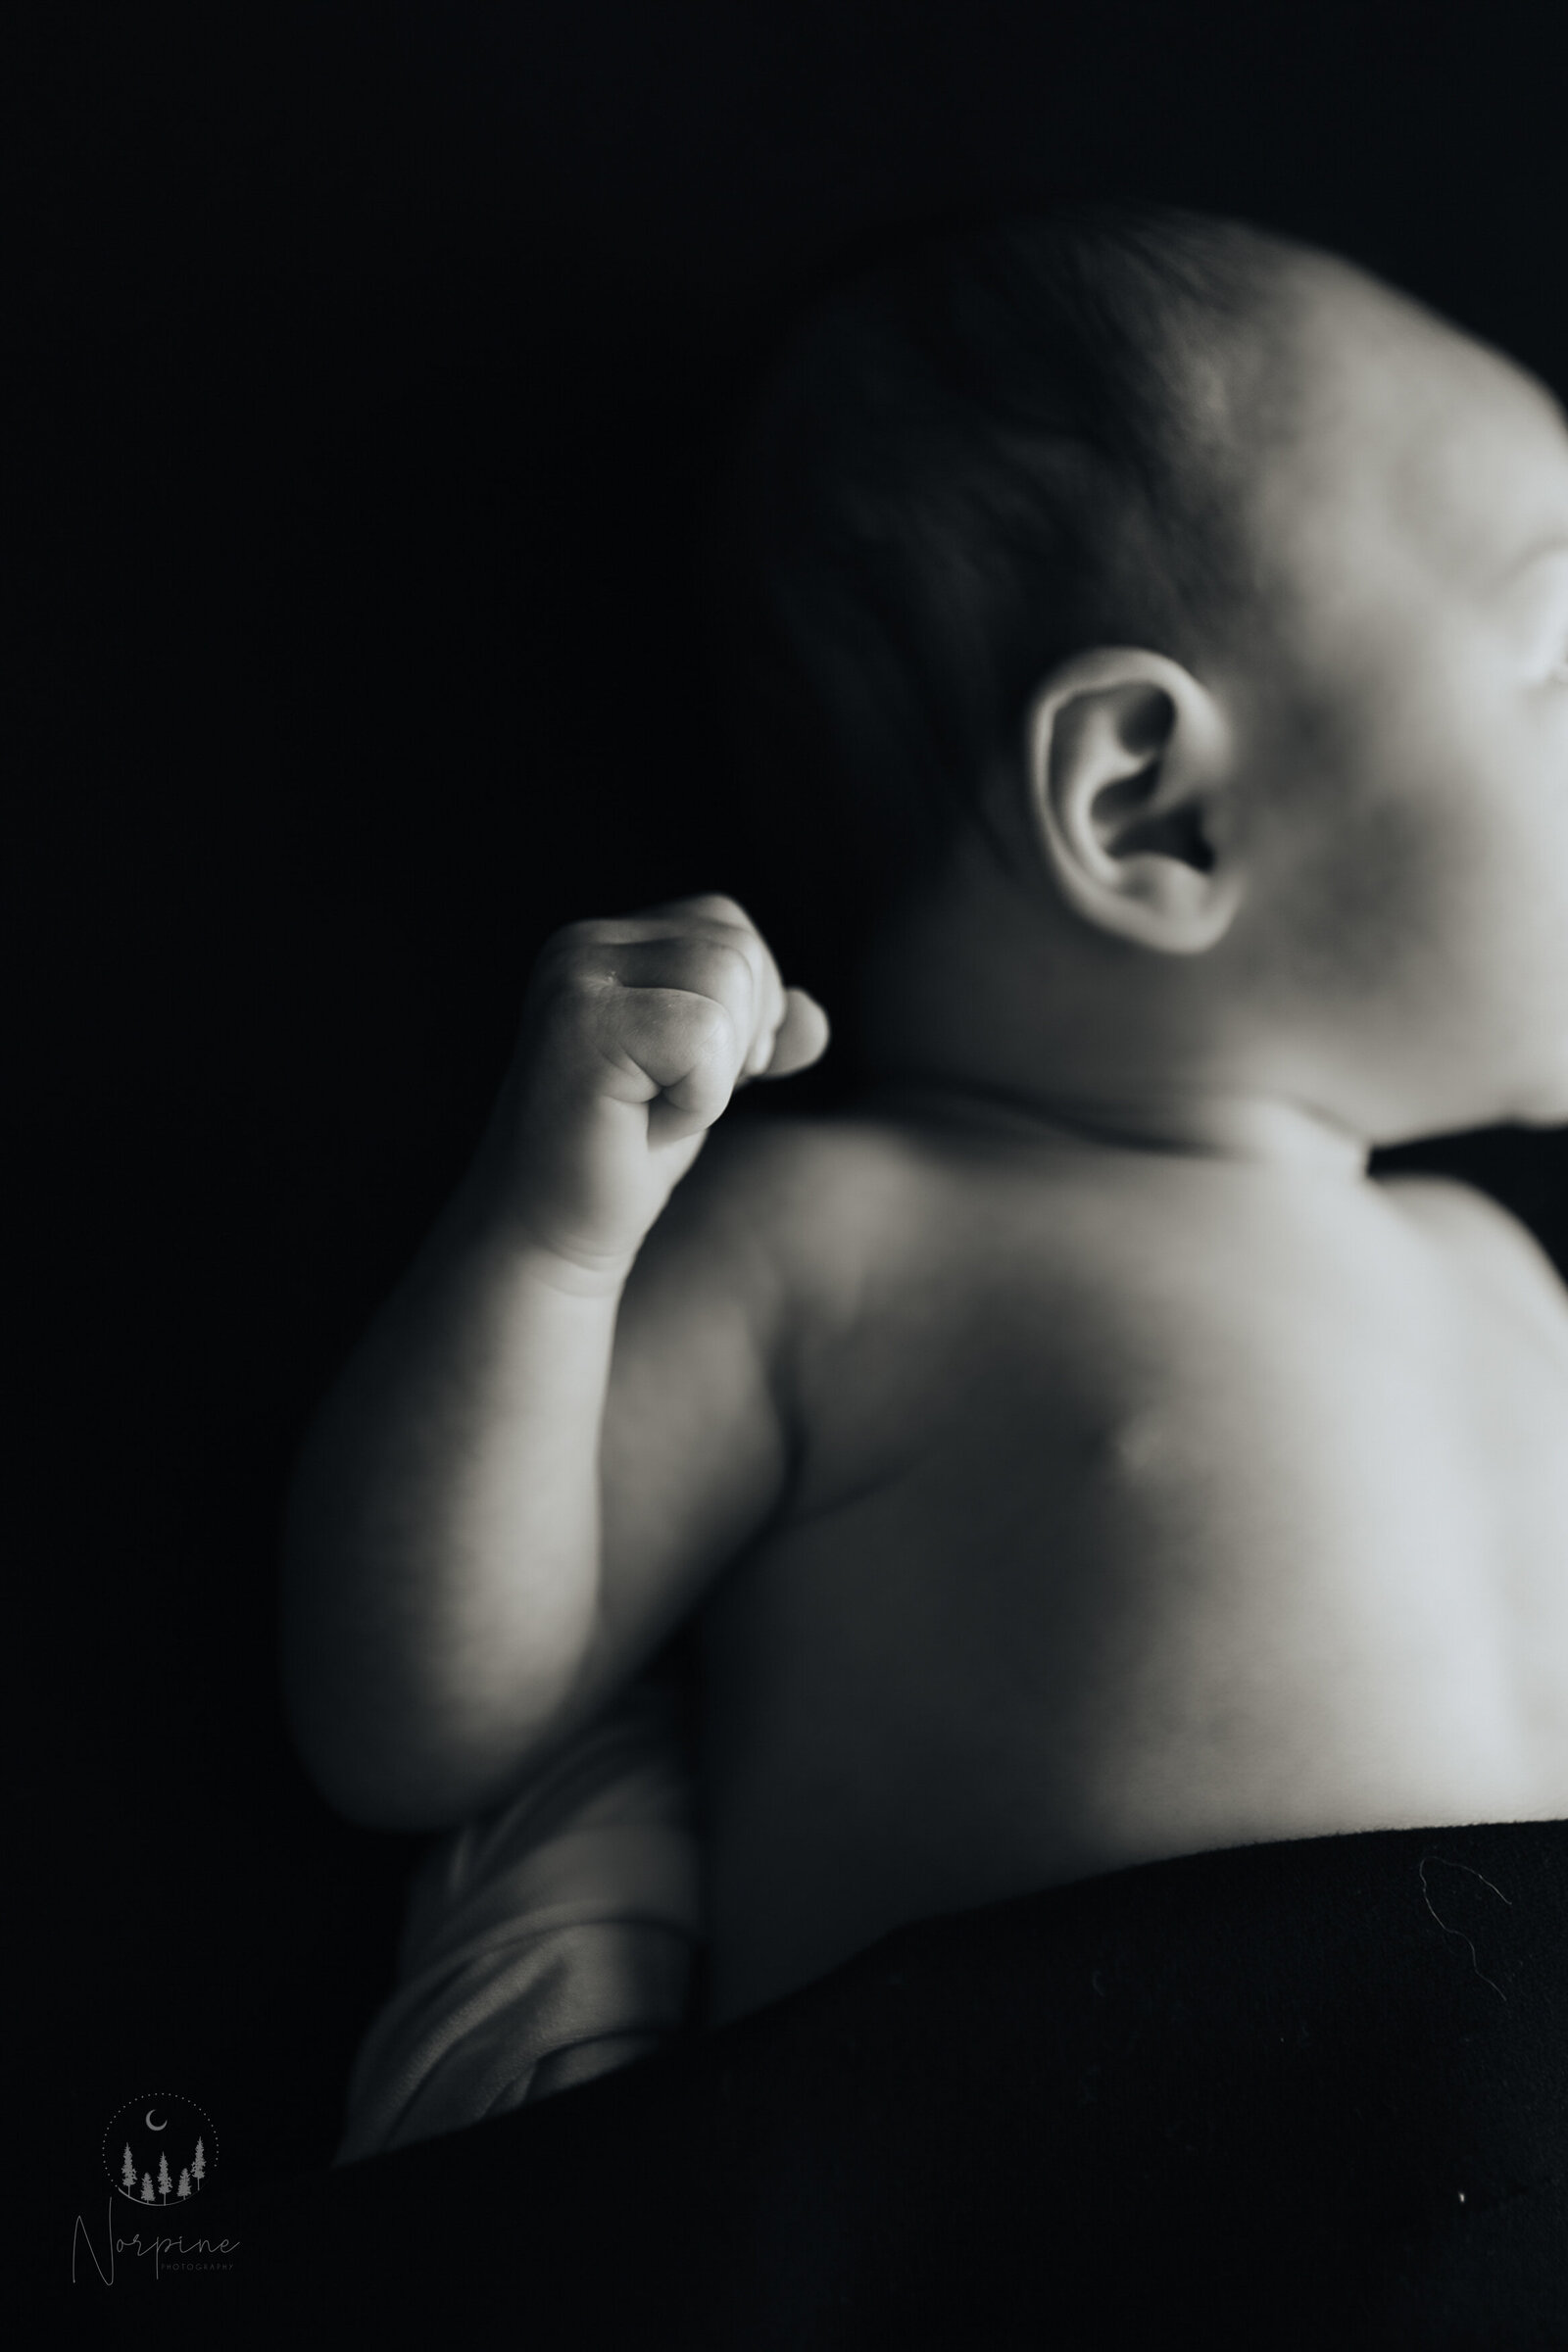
<point>198,2165</point>
<point>162,2174</point>
<point>146,2188</point>
<point>127,2172</point>
<point>183,2190</point>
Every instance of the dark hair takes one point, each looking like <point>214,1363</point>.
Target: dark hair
<point>998,444</point>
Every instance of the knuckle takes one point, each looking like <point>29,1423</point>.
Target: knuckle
<point>708,924</point>
<point>706,965</point>
<point>579,983</point>
<point>565,998</point>
<point>727,958</point>
<point>701,1049</point>
<point>720,907</point>
<point>568,953</point>
<point>708,1026</point>
<point>571,938</point>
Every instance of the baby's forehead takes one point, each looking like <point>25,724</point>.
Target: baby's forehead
<point>1403,439</point>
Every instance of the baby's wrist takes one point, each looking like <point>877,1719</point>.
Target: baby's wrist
<point>489,1215</point>
<point>566,1268</point>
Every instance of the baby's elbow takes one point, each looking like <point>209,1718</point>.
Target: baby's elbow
<point>341,1762</point>
<point>391,1810</point>
<point>401,1784</point>
<point>356,1760</point>
<point>344,1786</point>
<point>369,1798</point>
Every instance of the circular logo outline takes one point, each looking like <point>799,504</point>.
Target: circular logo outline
<point>196,2166</point>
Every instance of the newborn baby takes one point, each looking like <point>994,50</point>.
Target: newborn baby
<point>1073,1459</point>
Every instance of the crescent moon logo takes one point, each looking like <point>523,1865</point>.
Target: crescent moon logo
<point>159,2148</point>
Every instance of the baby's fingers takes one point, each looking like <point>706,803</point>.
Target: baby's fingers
<point>802,1038</point>
<point>726,923</point>
<point>680,1052</point>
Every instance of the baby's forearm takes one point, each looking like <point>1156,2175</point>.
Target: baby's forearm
<point>443,1576</point>
<point>441,1581</point>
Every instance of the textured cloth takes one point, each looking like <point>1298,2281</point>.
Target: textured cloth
<point>546,1942</point>
<point>1282,2099</point>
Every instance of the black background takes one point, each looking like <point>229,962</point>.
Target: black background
<point>363,363</point>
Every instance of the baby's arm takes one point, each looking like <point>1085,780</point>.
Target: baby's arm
<point>477,1551</point>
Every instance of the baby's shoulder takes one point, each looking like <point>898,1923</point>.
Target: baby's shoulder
<point>810,1186</point>
<point>819,1217</point>
<point>1480,1236</point>
<point>1458,1212</point>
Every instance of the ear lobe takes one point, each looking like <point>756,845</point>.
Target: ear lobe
<point>1129,771</point>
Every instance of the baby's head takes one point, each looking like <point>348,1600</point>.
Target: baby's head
<point>1166,626</point>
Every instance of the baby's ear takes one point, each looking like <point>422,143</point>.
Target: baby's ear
<point>1129,789</point>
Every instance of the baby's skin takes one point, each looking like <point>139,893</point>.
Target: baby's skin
<point>1074,1456</point>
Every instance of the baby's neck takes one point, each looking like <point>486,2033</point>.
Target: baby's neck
<point>980,1005</point>
<point>1198,1123</point>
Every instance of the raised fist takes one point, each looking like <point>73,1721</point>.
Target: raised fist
<point>636,1031</point>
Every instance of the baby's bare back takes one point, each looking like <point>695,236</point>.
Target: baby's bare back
<point>1147,1504</point>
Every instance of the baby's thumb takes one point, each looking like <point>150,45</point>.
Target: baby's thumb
<point>802,1037</point>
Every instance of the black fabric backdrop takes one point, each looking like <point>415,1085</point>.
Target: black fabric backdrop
<point>364,361</point>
